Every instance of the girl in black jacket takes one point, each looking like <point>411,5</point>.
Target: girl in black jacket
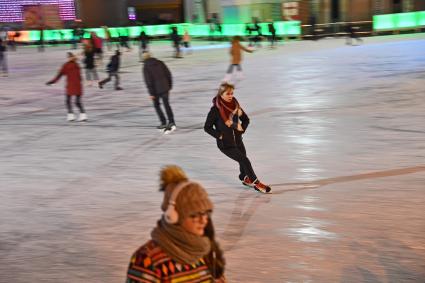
<point>226,122</point>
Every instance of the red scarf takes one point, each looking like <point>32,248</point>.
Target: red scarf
<point>227,109</point>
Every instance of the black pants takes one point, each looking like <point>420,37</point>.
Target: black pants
<point>239,155</point>
<point>177,48</point>
<point>110,75</point>
<point>230,69</point>
<point>3,63</point>
<point>157,105</point>
<point>272,39</point>
<point>78,103</point>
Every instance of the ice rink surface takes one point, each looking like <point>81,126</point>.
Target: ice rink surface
<point>337,130</point>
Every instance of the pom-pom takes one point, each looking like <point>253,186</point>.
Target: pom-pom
<point>171,174</point>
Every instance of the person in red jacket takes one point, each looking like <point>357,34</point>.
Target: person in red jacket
<point>71,70</point>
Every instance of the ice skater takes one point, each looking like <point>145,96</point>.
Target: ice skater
<point>182,247</point>
<point>97,44</point>
<point>159,82</point>
<point>176,39</point>
<point>91,72</point>
<point>236,54</point>
<point>3,58</point>
<point>351,34</point>
<point>74,87</point>
<point>112,69</point>
<point>272,31</point>
<point>186,41</point>
<point>226,122</point>
<point>143,47</point>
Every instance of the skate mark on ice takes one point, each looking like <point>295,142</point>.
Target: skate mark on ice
<point>239,219</point>
<point>350,178</point>
<point>398,130</point>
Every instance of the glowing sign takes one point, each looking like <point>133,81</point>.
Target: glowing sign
<point>12,10</point>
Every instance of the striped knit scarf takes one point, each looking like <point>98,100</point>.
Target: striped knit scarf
<point>180,245</point>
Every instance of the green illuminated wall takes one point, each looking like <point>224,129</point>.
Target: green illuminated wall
<point>399,21</point>
<point>288,28</point>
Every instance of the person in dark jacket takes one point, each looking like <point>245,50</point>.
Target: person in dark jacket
<point>226,122</point>
<point>112,69</point>
<point>272,31</point>
<point>144,41</point>
<point>3,62</point>
<point>175,37</point>
<point>351,34</point>
<point>159,82</point>
<point>74,87</point>
<point>91,72</point>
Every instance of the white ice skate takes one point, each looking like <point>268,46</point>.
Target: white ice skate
<point>170,129</point>
<point>70,117</point>
<point>83,117</point>
<point>239,75</point>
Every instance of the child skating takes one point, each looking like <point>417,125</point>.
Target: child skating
<point>71,70</point>
<point>226,122</point>
<point>186,42</point>
<point>112,69</point>
<point>236,54</point>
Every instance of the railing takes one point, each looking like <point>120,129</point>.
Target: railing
<point>338,29</point>
<point>283,28</point>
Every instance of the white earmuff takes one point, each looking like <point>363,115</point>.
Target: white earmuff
<point>170,215</point>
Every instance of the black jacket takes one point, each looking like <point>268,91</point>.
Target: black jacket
<point>89,59</point>
<point>114,64</point>
<point>157,77</point>
<point>214,125</point>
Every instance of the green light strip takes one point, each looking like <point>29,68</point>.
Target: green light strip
<point>285,28</point>
<point>399,21</point>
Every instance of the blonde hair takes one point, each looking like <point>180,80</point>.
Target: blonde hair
<point>224,87</point>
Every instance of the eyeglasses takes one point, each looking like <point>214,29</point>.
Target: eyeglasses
<point>199,215</point>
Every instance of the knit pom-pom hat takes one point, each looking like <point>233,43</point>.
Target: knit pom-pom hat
<point>171,174</point>
<point>191,199</point>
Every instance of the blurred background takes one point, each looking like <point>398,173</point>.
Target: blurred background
<point>115,13</point>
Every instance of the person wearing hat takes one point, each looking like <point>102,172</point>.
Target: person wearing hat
<point>74,87</point>
<point>182,247</point>
<point>226,122</point>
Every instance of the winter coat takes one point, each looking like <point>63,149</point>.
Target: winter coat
<point>175,37</point>
<point>89,59</point>
<point>97,42</point>
<point>150,264</point>
<point>236,52</point>
<point>186,37</point>
<point>114,64</point>
<point>157,76</point>
<point>2,51</point>
<point>215,126</point>
<point>144,38</point>
<point>71,70</point>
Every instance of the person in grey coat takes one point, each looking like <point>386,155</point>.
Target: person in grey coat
<point>159,82</point>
